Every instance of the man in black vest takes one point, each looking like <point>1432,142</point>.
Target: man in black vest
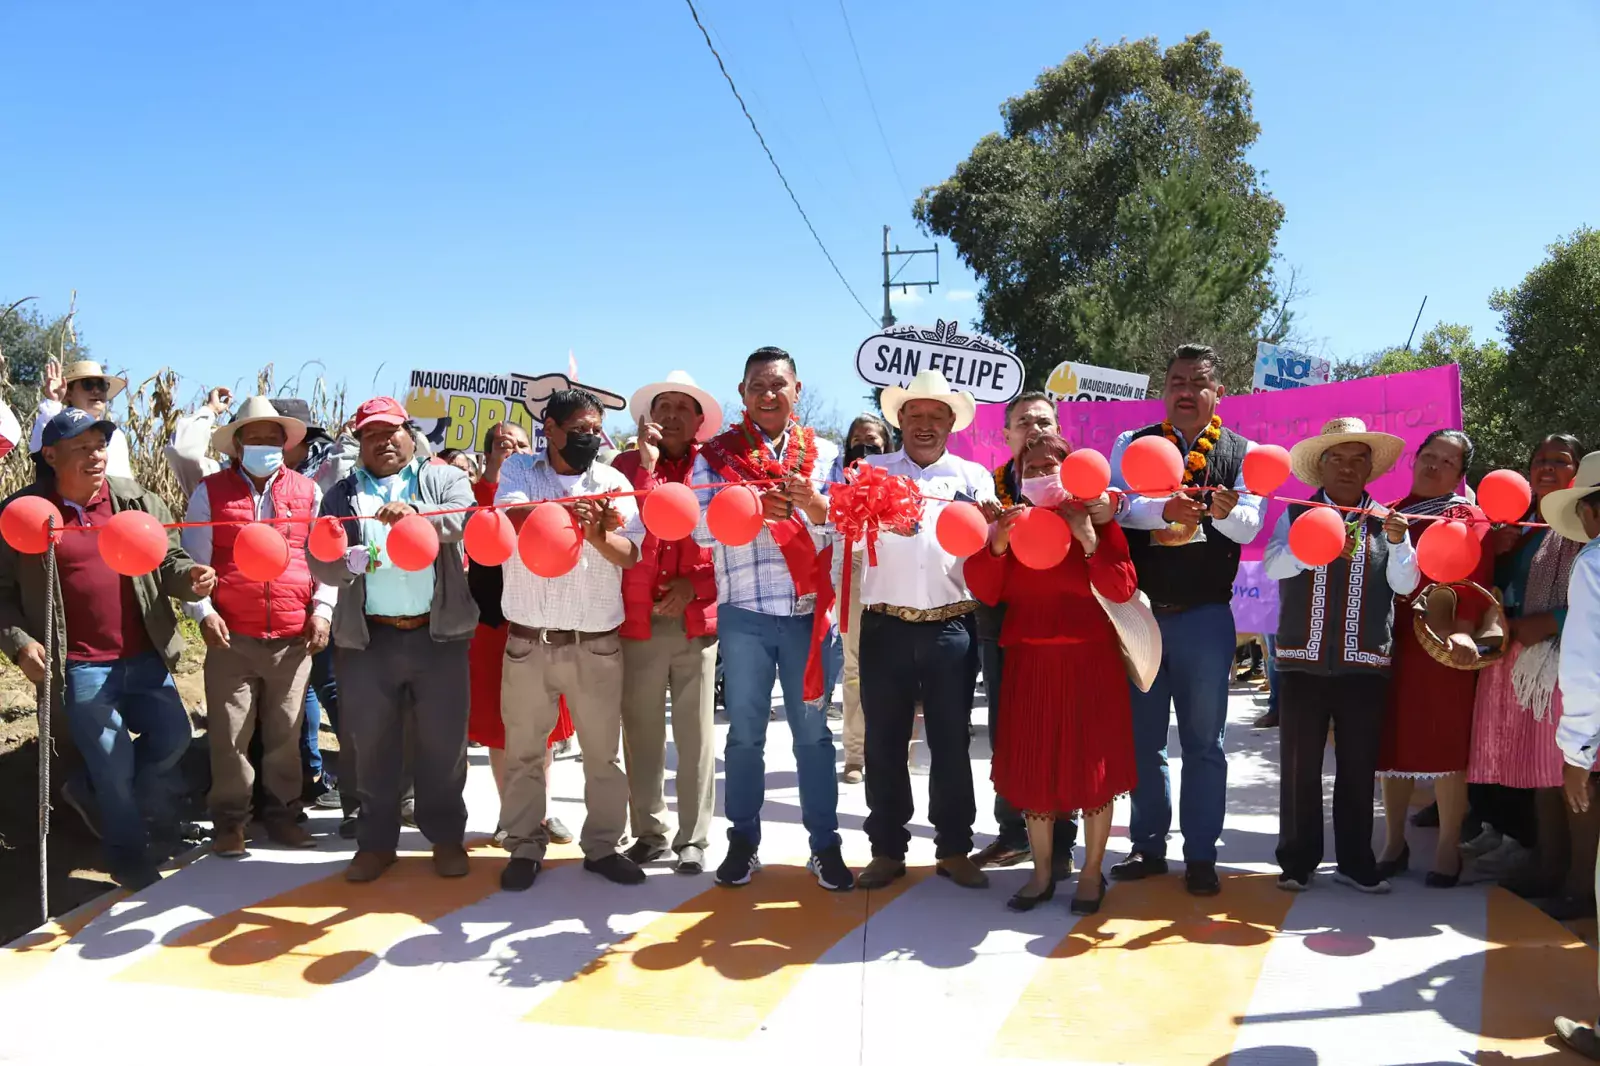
<point>1335,639</point>
<point>1186,549</point>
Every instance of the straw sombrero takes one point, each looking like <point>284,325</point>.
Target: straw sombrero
<point>257,409</point>
<point>88,368</point>
<point>929,385</point>
<point>679,381</point>
<point>1305,458</point>
<point>1139,635</point>
<point>1560,508</point>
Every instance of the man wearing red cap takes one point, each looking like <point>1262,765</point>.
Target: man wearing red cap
<point>401,640</point>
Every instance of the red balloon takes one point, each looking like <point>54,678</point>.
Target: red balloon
<point>1317,537</point>
<point>735,515</point>
<point>413,543</point>
<point>1504,495</point>
<point>133,543</point>
<point>1152,466</point>
<point>550,541</point>
<point>671,511</point>
<point>1266,468</point>
<point>26,521</point>
<point>1448,551</point>
<point>1040,538</point>
<point>490,538</point>
<point>1085,473</point>
<point>961,529</point>
<point>260,552</point>
<point>327,542</point>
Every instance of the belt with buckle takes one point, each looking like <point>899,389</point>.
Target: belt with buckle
<point>556,636</point>
<point>932,614</point>
<point>400,622</point>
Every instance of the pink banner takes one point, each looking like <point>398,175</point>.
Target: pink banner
<point>1408,405</point>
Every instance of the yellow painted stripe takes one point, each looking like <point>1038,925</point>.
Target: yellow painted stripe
<point>718,965</point>
<point>1533,970</point>
<point>27,955</point>
<point>1146,946</point>
<point>294,943</point>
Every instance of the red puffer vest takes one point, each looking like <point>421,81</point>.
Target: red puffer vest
<point>278,609</point>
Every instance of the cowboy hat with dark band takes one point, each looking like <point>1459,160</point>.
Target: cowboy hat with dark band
<point>257,409</point>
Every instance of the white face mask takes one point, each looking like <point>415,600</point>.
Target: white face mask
<point>262,459</point>
<point>1044,491</point>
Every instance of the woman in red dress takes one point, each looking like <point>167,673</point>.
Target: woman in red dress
<point>1068,738</point>
<point>1427,732</point>
<point>486,656</point>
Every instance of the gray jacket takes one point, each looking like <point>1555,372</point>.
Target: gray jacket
<point>454,615</point>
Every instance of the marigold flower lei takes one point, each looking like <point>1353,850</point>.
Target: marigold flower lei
<point>1196,461</point>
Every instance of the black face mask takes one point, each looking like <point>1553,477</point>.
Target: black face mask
<point>856,451</point>
<point>580,450</point>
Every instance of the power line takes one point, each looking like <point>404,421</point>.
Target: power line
<point>826,110</point>
<point>873,104</point>
<point>771,159</point>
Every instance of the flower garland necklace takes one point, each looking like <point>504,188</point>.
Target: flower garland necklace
<point>1197,458</point>
<point>799,451</point>
<point>1001,493</point>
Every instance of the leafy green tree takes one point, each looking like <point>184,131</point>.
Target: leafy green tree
<point>1552,327</point>
<point>27,342</point>
<point>1115,215</point>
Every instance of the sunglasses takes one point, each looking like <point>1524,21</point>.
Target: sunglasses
<point>93,384</point>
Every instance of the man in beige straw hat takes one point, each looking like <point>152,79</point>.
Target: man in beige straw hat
<point>1575,514</point>
<point>259,636</point>
<point>86,386</point>
<point>919,642</point>
<point>1335,638</point>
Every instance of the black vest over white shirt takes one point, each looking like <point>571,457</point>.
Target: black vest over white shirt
<point>1200,572</point>
<point>1339,618</point>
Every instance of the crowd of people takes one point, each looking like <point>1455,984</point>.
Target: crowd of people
<point>1488,688</point>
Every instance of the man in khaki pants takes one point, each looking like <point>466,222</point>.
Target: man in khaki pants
<point>670,634</point>
<point>563,642</point>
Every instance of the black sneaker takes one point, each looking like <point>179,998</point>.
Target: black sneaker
<point>1294,882</point>
<point>644,851</point>
<point>1371,883</point>
<point>519,874</point>
<point>828,867</point>
<point>1200,878</point>
<point>741,862</point>
<point>1137,867</point>
<point>618,869</point>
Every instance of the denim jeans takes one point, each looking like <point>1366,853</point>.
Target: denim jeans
<point>1196,666</point>
<point>136,779</point>
<point>322,694</point>
<point>756,648</point>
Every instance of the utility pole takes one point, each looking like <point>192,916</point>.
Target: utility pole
<point>1413,324</point>
<point>889,281</point>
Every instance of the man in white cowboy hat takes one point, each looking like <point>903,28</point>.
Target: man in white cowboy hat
<point>1186,548</point>
<point>259,636</point>
<point>919,644</point>
<point>1575,514</point>
<point>85,386</point>
<point>669,634</point>
<point>1335,639</point>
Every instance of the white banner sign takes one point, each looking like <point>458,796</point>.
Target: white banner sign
<point>1279,368</point>
<point>970,362</point>
<point>1077,381</point>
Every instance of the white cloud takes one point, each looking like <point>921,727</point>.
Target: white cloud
<point>910,296</point>
<point>960,295</point>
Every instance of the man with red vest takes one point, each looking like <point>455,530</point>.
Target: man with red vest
<point>670,635</point>
<point>259,636</point>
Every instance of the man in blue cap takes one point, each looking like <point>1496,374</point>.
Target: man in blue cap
<point>115,642</point>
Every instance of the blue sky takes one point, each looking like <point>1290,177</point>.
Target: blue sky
<point>485,185</point>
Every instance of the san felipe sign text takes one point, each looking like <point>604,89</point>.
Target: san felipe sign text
<point>990,377</point>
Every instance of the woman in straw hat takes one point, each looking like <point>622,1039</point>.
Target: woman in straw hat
<point>1335,641</point>
<point>1519,704</point>
<point>86,386</point>
<point>1428,729</point>
<point>1068,739</point>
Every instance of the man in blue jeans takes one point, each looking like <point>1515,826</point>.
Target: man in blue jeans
<point>115,641</point>
<point>1186,548</point>
<point>766,597</point>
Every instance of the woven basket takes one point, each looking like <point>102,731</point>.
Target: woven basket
<point>1439,650</point>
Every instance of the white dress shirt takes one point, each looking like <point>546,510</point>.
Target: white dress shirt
<point>588,598</point>
<point>916,571</point>
<point>118,463</point>
<point>197,542</point>
<point>1144,512</point>
<point>1578,735</point>
<point>1401,570</point>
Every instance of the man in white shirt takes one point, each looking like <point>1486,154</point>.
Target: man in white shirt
<point>1575,514</point>
<point>564,642</point>
<point>86,386</point>
<point>919,644</point>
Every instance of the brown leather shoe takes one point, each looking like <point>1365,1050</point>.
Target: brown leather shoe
<point>963,871</point>
<point>290,835</point>
<point>450,860</point>
<point>369,865</point>
<point>228,843</point>
<point>881,872</point>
